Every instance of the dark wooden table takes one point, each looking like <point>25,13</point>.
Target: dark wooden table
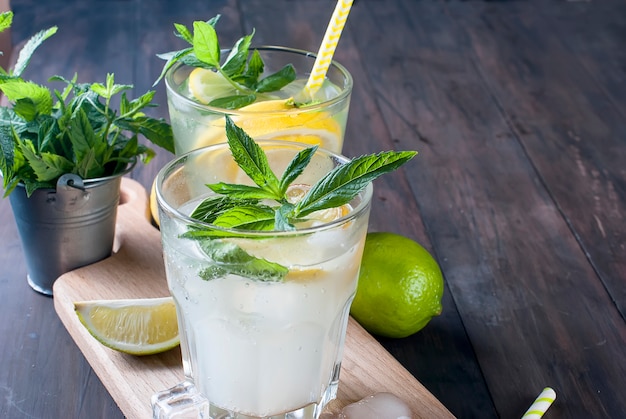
<point>518,111</point>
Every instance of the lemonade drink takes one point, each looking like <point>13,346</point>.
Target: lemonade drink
<point>271,116</point>
<point>251,344</point>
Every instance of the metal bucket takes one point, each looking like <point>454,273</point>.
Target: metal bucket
<point>65,228</point>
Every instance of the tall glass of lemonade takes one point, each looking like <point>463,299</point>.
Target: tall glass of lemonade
<point>273,115</point>
<point>262,313</point>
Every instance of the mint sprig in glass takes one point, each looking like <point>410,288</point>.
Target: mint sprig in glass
<point>241,70</point>
<point>236,210</point>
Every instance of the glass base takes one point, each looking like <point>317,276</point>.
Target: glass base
<point>183,401</point>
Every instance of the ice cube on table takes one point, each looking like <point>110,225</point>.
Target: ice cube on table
<point>377,406</point>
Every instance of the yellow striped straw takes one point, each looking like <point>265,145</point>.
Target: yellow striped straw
<point>329,44</point>
<point>541,404</point>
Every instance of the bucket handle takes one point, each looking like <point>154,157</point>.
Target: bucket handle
<point>70,193</point>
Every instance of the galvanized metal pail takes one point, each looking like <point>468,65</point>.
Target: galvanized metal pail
<point>65,228</point>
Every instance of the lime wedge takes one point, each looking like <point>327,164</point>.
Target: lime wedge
<point>134,326</point>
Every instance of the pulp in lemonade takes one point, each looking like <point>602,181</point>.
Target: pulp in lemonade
<point>262,348</point>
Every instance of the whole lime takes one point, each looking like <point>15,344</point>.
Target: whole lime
<point>400,286</point>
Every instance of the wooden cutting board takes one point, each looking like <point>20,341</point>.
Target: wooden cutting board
<point>136,271</point>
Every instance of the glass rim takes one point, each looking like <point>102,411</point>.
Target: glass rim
<point>346,89</point>
<point>176,163</point>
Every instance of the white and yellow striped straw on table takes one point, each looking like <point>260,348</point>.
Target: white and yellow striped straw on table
<point>541,404</point>
<point>329,44</point>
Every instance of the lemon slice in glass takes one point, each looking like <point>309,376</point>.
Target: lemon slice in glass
<point>206,85</point>
<point>277,120</point>
<point>134,326</point>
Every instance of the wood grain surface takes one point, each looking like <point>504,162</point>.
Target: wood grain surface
<point>518,111</point>
<point>136,271</point>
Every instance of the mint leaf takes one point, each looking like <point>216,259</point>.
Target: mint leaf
<point>241,191</point>
<point>201,233</point>
<point>47,135</point>
<point>281,218</point>
<point>158,131</point>
<point>230,259</point>
<point>26,108</point>
<point>211,208</point>
<point>251,158</point>
<point>29,48</point>
<point>39,96</point>
<point>213,20</point>
<point>88,166</point>
<point>277,81</point>
<point>9,119</point>
<point>66,91</point>
<point>296,166</point>
<point>7,148</point>
<point>205,44</point>
<point>6,18</point>
<point>236,61</point>
<point>250,217</point>
<point>183,32</point>
<point>255,68</point>
<point>342,184</point>
<point>192,61</point>
<point>85,146</point>
<point>110,89</point>
<point>172,58</point>
<point>46,166</point>
<point>233,102</point>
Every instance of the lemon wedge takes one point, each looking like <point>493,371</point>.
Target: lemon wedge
<point>134,326</point>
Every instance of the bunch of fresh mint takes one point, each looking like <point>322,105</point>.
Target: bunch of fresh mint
<point>45,134</point>
<point>241,68</point>
<point>265,207</point>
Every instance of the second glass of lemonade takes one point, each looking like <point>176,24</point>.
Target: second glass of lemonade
<point>255,343</point>
<point>271,117</point>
